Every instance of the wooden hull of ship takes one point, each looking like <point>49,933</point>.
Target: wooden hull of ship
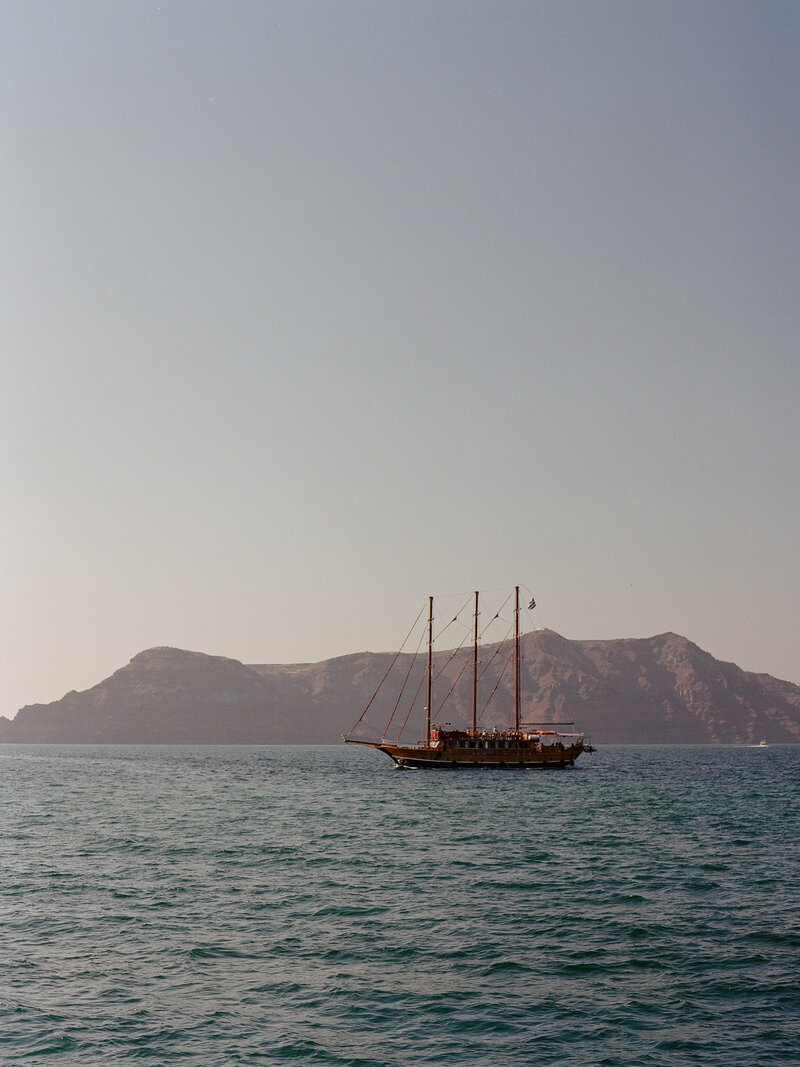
<point>443,758</point>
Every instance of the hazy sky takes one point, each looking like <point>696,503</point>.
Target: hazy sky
<point>314,308</point>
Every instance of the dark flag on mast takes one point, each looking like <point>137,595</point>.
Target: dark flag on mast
<point>532,604</point>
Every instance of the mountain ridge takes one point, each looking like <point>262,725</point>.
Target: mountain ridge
<point>659,690</point>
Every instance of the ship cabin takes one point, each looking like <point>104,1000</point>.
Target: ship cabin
<point>494,740</point>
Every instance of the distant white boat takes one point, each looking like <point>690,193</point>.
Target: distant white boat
<point>762,744</point>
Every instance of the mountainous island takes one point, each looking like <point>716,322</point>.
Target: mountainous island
<point>656,690</point>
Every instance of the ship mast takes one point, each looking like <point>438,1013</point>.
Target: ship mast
<point>475,671</point>
<point>430,673</point>
<point>516,660</point>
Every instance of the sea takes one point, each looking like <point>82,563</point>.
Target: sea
<point>210,906</point>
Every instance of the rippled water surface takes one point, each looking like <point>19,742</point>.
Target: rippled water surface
<point>215,906</point>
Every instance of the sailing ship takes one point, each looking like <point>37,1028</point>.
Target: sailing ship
<point>526,744</point>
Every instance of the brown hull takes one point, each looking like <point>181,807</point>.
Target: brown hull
<point>445,758</point>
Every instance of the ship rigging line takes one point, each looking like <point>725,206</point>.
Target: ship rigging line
<point>497,616</point>
<point>449,624</point>
<point>451,657</point>
<point>389,668</point>
<point>411,707</point>
<point>452,687</point>
<point>405,682</point>
<point>496,652</point>
<point>499,680</point>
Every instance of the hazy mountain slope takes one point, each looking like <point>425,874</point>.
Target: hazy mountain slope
<point>657,690</point>
<point>652,690</point>
<point>162,695</point>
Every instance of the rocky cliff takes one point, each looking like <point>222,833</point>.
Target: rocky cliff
<point>655,690</point>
